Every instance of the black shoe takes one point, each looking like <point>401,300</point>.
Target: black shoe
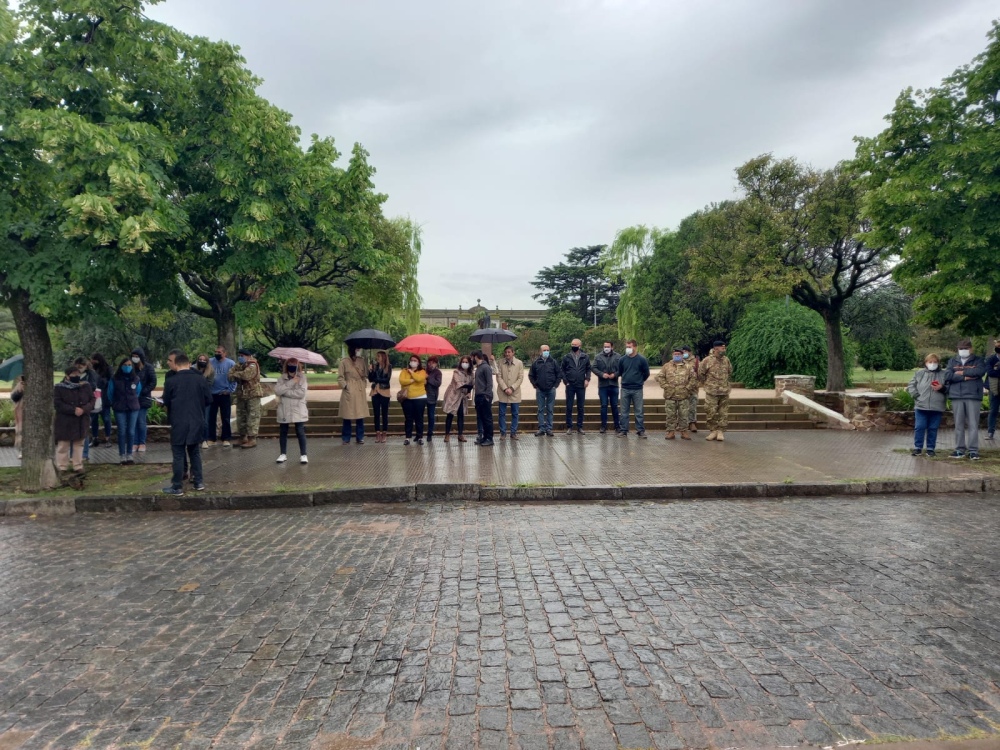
<point>622,433</point>
<point>420,441</point>
<point>429,438</point>
<point>549,433</point>
<point>200,487</point>
<point>540,433</point>
<point>603,430</point>
<point>930,452</point>
<point>641,434</point>
<point>989,435</point>
<point>973,456</point>
<point>406,442</point>
<point>916,452</point>
<point>957,454</point>
<point>580,431</point>
<point>486,444</point>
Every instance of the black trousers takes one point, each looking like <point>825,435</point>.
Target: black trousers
<point>300,433</point>
<point>484,416</point>
<point>381,405</point>
<point>431,416</point>
<point>181,454</point>
<point>576,392</point>
<point>413,410</point>
<point>221,402</point>
<point>461,420</point>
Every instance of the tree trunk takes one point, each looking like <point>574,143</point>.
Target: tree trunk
<point>225,324</point>
<point>38,471</point>
<point>834,350</point>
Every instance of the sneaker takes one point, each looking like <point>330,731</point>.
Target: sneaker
<point>200,488</point>
<point>226,444</point>
<point>303,459</point>
<point>916,452</point>
<point>603,430</point>
<point>429,438</point>
<point>641,434</point>
<point>129,460</point>
<point>580,431</point>
<point>513,436</point>
<point>549,433</point>
<point>281,459</point>
<point>569,430</point>
<point>989,435</point>
<point>957,454</point>
<point>141,448</point>
<point>486,444</point>
<point>931,453</point>
<point>420,441</point>
<point>405,442</point>
<point>622,433</point>
<point>973,456</point>
<point>204,445</point>
<point>175,491</point>
<point>540,433</point>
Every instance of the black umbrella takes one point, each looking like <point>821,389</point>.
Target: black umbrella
<point>369,338</point>
<point>492,336</point>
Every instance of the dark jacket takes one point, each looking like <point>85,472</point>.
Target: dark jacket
<point>147,376</point>
<point>433,385</point>
<point>124,390</point>
<point>68,397</point>
<point>380,378</point>
<point>634,371</point>
<point>605,363</point>
<point>576,370</point>
<point>965,382</point>
<point>993,373</point>
<point>544,374</point>
<point>484,380</point>
<point>185,396</point>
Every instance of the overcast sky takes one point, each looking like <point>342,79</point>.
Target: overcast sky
<point>517,129</point>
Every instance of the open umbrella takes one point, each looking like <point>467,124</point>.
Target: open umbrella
<point>492,335</point>
<point>370,338</point>
<point>11,368</point>
<point>426,343</point>
<point>304,356</point>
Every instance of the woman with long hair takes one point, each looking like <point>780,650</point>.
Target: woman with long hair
<point>292,389</point>
<point>147,378</point>
<point>380,376</point>
<point>124,392</point>
<point>413,380</point>
<point>352,376</point>
<point>456,395</point>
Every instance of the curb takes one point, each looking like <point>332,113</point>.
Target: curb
<point>465,492</point>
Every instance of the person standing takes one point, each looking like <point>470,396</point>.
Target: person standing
<point>104,375</point>
<point>964,380</point>
<point>185,396</point>
<point>606,368</point>
<point>292,390</point>
<point>929,401</point>
<point>692,361</point>
<point>633,369</point>
<point>434,378</point>
<point>544,377</point>
<point>147,378</point>
<point>993,386</point>
<point>74,400</point>
<point>222,399</point>
<point>123,394</point>
<point>89,376</point>
<point>413,383</point>
<point>17,398</point>
<point>715,373</point>
<point>484,399</point>
<point>246,374</point>
<point>203,364</point>
<point>352,376</point>
<point>576,376</point>
<point>510,375</point>
<point>675,378</point>
<point>380,376</point>
<point>456,396</point>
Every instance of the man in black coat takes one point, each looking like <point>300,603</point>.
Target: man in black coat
<point>185,396</point>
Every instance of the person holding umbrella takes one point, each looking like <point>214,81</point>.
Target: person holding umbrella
<point>352,376</point>
<point>413,384</point>
<point>292,390</point>
<point>380,376</point>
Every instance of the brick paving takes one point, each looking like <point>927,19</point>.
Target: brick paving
<point>722,624</point>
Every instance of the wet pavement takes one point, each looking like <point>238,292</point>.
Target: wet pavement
<point>605,626</point>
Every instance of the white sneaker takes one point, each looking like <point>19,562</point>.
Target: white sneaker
<point>304,460</point>
<point>204,445</point>
<point>282,458</point>
<point>226,444</point>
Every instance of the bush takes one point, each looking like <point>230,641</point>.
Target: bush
<point>6,413</point>
<point>894,352</point>
<point>900,400</point>
<point>156,414</point>
<point>778,338</point>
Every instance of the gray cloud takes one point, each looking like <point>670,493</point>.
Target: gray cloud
<point>514,131</point>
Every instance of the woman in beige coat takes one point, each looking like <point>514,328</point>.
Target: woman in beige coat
<point>456,396</point>
<point>292,390</point>
<point>353,380</point>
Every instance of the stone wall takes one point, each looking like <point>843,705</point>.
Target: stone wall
<point>804,385</point>
<point>867,411</point>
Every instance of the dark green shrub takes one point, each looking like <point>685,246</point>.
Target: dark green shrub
<point>900,400</point>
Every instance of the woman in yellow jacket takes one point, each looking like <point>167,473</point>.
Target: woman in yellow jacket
<point>413,381</point>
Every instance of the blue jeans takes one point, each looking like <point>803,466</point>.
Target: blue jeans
<point>577,393</point>
<point>926,422</point>
<point>546,407</point>
<point>609,397</point>
<point>515,416</point>
<point>991,419</point>
<point>359,428</point>
<point>204,434</point>
<point>140,427</point>
<point>126,421</point>
<point>632,398</point>
<point>95,427</point>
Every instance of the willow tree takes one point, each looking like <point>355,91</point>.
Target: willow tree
<point>623,259</point>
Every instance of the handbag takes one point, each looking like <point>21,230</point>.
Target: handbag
<point>98,402</point>
<point>401,395</point>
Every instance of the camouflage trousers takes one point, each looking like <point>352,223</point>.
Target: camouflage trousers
<point>677,415</point>
<point>693,408</point>
<point>247,416</point>
<point>717,408</point>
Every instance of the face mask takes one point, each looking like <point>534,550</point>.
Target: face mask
<point>465,365</point>
<point>607,350</point>
<point>292,369</point>
<point>74,378</point>
<point>202,365</point>
<point>575,348</point>
<point>678,358</point>
<point>135,359</point>
<point>932,366</point>
<point>996,349</point>
<point>413,365</point>
<point>545,355</point>
<point>686,355</point>
<point>243,360</point>
<point>126,369</point>
<point>218,356</point>
<point>963,353</point>
<point>628,350</point>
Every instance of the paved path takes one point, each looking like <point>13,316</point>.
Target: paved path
<point>724,624</point>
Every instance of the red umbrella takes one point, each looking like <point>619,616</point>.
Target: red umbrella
<point>426,343</point>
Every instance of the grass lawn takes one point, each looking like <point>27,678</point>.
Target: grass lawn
<point>102,479</point>
<point>863,377</point>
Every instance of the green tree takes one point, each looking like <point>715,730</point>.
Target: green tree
<point>793,232</point>
<point>529,344</point>
<point>594,338</point>
<point>580,286</point>
<point>934,187</point>
<point>879,320</point>
<point>563,327</point>
<point>83,188</point>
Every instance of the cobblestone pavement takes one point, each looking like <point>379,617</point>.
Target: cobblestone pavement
<point>722,624</point>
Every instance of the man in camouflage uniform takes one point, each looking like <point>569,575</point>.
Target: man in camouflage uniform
<point>676,378</point>
<point>246,374</point>
<point>715,373</point>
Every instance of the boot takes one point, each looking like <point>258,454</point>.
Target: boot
<point>693,426</point>
<point>447,437</point>
<point>711,435</point>
<point>719,436</point>
<point>670,435</point>
<point>251,442</point>
<point>684,435</point>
